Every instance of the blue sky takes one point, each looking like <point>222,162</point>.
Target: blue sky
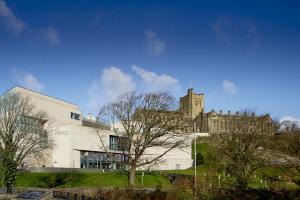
<point>240,54</point>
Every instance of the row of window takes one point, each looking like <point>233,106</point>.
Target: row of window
<point>101,160</point>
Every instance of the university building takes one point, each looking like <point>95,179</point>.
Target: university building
<point>192,106</point>
<point>77,142</point>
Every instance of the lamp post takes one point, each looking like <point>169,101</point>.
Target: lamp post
<point>195,158</point>
<point>143,179</point>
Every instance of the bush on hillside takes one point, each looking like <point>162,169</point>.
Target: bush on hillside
<point>200,159</point>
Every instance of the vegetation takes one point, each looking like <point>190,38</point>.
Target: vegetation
<point>21,135</point>
<point>286,143</point>
<point>129,194</point>
<point>199,159</point>
<point>106,179</point>
<point>144,125</point>
<point>239,151</point>
<point>279,177</point>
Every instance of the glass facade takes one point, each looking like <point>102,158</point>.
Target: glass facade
<point>102,160</point>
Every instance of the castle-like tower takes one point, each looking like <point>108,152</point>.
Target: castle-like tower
<point>192,104</point>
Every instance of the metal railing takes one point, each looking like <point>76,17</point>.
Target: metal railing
<point>74,196</point>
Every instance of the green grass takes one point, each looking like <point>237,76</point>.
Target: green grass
<point>273,176</point>
<point>282,177</point>
<point>107,179</point>
<point>201,170</point>
<point>204,147</point>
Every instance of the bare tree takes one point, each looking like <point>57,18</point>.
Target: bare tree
<point>276,125</point>
<point>288,126</point>
<point>144,122</point>
<point>292,131</point>
<point>21,134</point>
<point>240,154</point>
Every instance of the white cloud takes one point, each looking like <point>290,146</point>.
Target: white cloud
<point>156,82</point>
<point>9,19</point>
<point>229,87</point>
<point>17,26</point>
<point>251,33</point>
<point>116,82</point>
<point>154,45</point>
<point>289,118</point>
<point>244,32</point>
<point>51,35</point>
<point>111,83</point>
<point>27,80</point>
<point>223,28</point>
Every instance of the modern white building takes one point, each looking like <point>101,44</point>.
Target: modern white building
<point>75,141</point>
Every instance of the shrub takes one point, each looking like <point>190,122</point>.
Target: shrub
<point>200,159</point>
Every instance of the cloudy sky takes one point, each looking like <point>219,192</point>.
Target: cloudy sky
<point>241,55</point>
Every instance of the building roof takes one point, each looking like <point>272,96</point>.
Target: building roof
<point>39,93</point>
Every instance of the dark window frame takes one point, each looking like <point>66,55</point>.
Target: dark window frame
<point>113,142</point>
<point>75,116</point>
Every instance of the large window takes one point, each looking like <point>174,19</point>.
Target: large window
<point>75,116</point>
<point>102,160</point>
<point>117,143</point>
<point>31,124</point>
<point>113,142</point>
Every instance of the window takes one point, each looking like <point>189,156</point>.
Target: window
<point>177,166</point>
<point>44,139</point>
<point>113,142</point>
<point>117,143</point>
<point>31,124</point>
<point>75,116</point>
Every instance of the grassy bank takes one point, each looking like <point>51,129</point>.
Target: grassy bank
<point>107,179</point>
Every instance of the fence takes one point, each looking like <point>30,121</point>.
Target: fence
<point>74,196</point>
<point>15,190</point>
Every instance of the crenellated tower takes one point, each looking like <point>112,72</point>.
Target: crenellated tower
<point>192,104</point>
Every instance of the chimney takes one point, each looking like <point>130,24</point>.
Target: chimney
<point>229,112</point>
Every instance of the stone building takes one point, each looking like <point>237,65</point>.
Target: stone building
<point>192,105</point>
<point>214,122</point>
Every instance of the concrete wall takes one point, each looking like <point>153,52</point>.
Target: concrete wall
<point>70,139</point>
<point>58,111</point>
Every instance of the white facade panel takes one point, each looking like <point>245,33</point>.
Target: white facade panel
<point>70,138</point>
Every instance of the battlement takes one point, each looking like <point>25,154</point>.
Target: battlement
<point>192,104</point>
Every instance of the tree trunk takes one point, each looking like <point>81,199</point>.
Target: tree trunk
<point>9,188</point>
<point>131,176</point>
<point>10,175</point>
<point>242,183</point>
